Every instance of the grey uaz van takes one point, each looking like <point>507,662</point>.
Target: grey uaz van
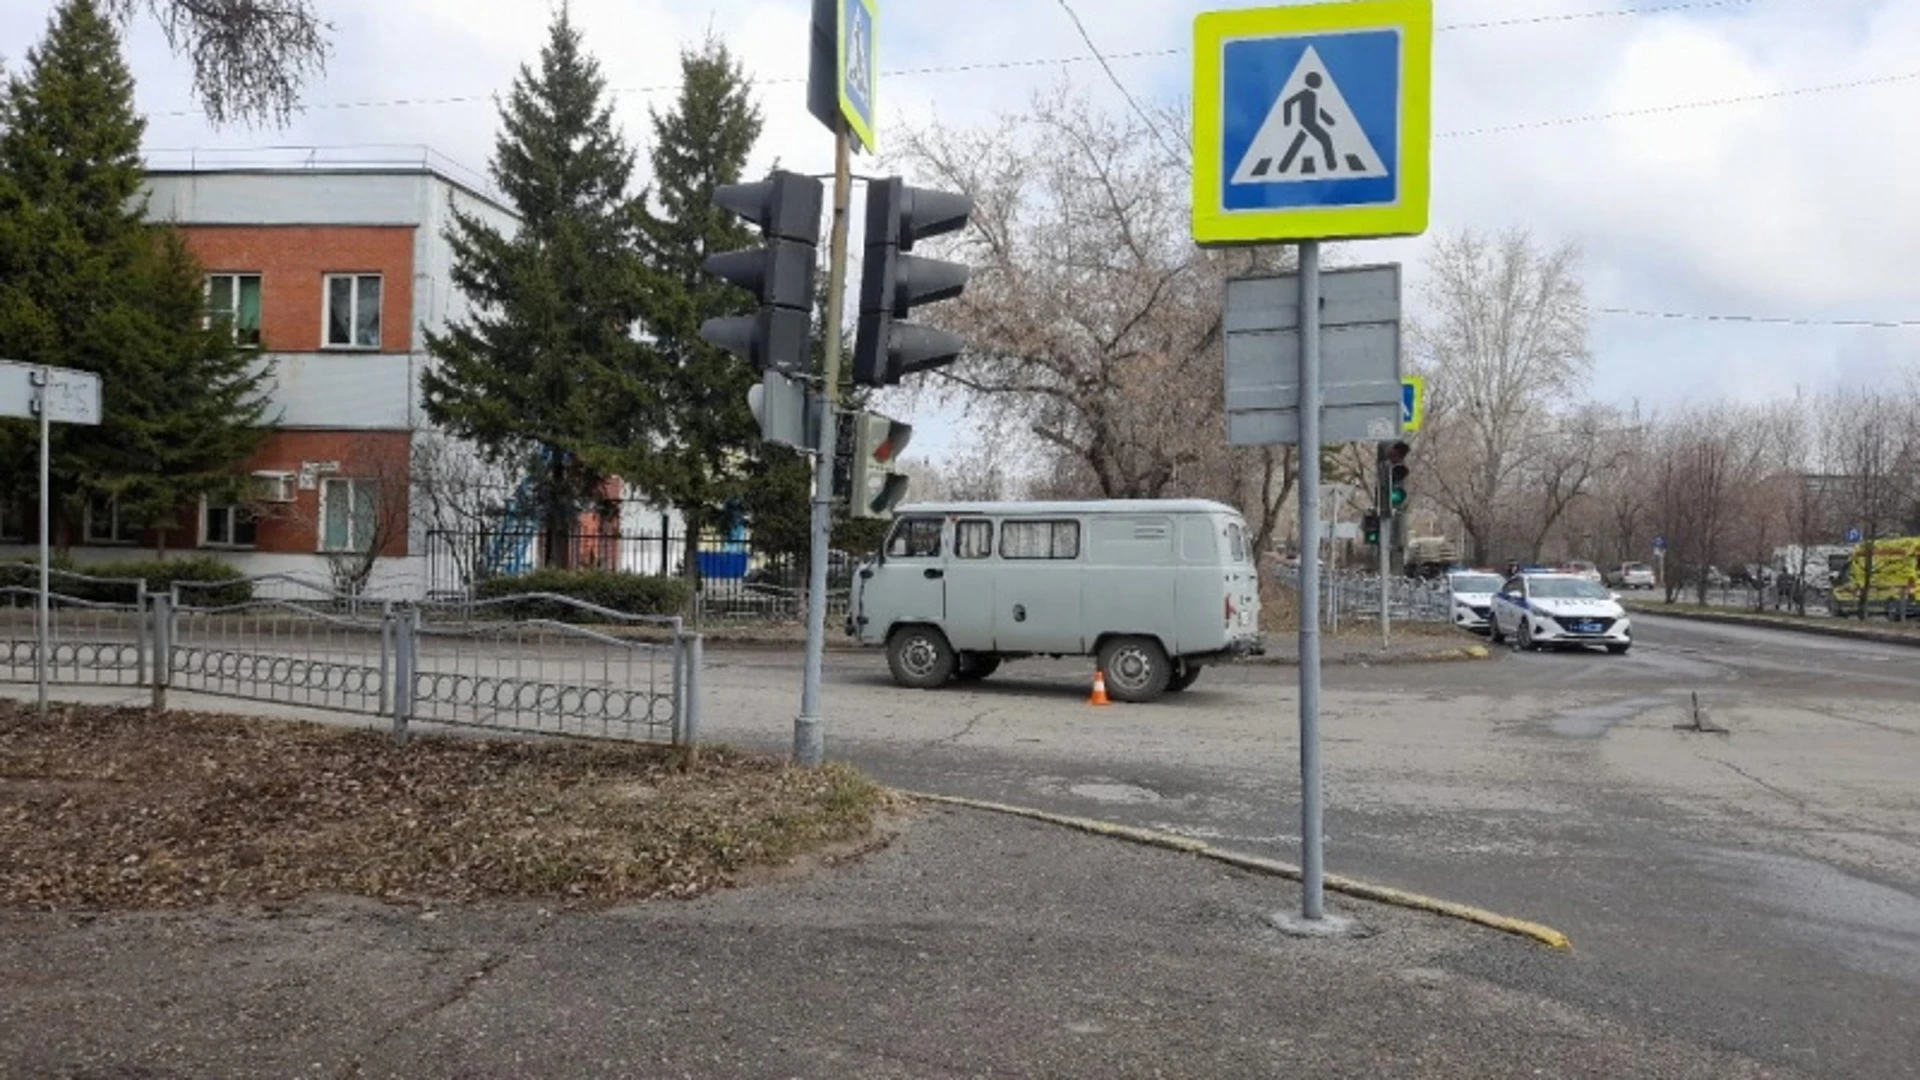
<point>1154,588</point>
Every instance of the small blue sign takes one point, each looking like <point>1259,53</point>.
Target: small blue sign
<point>1853,536</point>
<point>1659,543</point>
<point>1406,404</point>
<point>1311,120</point>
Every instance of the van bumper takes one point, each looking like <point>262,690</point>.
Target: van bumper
<point>1255,645</point>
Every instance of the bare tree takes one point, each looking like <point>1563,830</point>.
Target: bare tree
<point>1092,320</point>
<point>1559,464</point>
<point>1870,440</point>
<point>1506,346</point>
<point>250,58</point>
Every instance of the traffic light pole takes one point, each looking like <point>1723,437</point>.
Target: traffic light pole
<point>1312,861</point>
<point>809,741</point>
<point>1383,487</point>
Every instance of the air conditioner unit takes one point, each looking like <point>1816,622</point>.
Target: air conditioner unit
<point>274,487</point>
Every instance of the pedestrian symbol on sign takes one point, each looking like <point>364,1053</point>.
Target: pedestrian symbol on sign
<point>1309,134</point>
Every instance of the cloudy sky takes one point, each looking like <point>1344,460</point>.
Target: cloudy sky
<point>1794,201</point>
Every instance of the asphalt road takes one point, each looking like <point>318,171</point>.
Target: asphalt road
<point>1757,891</point>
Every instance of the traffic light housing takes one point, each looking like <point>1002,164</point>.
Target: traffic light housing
<point>874,488</point>
<point>779,273</point>
<point>892,282</point>
<point>1393,477</point>
<point>1370,529</point>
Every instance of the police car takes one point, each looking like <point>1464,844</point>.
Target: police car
<point>1540,609</point>
<point>1470,597</point>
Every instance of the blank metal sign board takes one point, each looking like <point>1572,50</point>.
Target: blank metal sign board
<point>73,397</point>
<point>1360,384</point>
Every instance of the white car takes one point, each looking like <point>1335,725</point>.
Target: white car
<point>1559,609</point>
<point>1470,597</point>
<point>1582,569</point>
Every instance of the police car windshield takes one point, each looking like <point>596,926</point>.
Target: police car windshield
<point>1476,583</point>
<point>1548,588</point>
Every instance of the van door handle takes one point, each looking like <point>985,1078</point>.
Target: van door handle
<point>932,573</point>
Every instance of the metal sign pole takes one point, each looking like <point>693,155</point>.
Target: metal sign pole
<point>1312,863</point>
<point>809,742</point>
<point>1386,567</point>
<point>42,620</point>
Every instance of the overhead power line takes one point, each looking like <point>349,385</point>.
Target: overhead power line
<point>1105,60</point>
<point>1770,320</point>
<point>1655,110</point>
<point>1159,136</point>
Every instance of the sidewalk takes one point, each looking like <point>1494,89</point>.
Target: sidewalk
<point>1888,633</point>
<point>975,945</point>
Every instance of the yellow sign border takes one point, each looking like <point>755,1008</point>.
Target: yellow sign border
<point>1419,417</point>
<point>859,126</point>
<point>1213,224</point>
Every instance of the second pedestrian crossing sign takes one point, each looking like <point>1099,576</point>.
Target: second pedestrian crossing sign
<point>1312,122</point>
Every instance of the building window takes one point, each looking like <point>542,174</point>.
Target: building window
<point>236,298</point>
<point>347,509</point>
<point>104,523</point>
<point>353,311</point>
<point>227,525</point>
<point>1040,540</point>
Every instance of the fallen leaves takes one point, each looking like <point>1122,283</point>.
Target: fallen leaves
<point>122,808</point>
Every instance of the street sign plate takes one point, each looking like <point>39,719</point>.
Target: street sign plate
<point>1361,386</point>
<point>1659,544</point>
<point>1413,402</point>
<point>859,67</point>
<point>73,396</point>
<point>1853,536</point>
<point>1312,122</point>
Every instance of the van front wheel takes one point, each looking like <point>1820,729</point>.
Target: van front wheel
<point>1136,668</point>
<point>920,657</point>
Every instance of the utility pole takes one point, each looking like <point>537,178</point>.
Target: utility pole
<point>809,742</point>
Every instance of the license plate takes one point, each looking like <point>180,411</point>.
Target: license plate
<point>1586,628</point>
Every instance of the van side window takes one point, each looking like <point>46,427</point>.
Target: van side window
<point>1040,540</point>
<point>973,540</point>
<point>915,538</point>
<point>1237,541</point>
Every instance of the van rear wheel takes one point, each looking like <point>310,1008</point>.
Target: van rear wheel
<point>1136,668</point>
<point>920,657</point>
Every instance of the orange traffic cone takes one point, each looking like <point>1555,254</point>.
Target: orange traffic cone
<point>1099,689</point>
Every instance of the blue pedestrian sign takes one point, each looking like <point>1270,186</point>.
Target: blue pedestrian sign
<point>1659,544</point>
<point>859,59</point>
<point>1312,122</point>
<point>1853,536</point>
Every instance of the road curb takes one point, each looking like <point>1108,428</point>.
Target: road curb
<point>1911,641</point>
<point>1545,935</point>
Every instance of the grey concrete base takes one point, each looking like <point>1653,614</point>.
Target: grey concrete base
<point>1293,924</point>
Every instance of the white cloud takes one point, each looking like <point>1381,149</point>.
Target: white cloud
<point>1794,205</point>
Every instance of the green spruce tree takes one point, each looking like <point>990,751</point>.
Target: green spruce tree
<point>86,283</point>
<point>706,455</point>
<point>546,374</point>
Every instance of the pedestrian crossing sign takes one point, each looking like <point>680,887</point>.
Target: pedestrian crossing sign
<point>1312,122</point>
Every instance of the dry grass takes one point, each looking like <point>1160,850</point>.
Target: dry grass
<point>119,808</point>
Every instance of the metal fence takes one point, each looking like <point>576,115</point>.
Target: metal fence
<point>1354,595</point>
<point>736,579</point>
<point>574,669</point>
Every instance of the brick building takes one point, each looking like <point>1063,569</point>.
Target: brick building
<point>333,274</point>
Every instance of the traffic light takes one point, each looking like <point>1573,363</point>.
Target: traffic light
<point>886,346</point>
<point>1370,529</point>
<point>779,274</point>
<point>874,488</point>
<point>1393,477</point>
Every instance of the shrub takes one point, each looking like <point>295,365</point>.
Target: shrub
<point>231,587</point>
<point>632,594</point>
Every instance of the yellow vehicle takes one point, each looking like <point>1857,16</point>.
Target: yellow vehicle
<point>1895,588</point>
